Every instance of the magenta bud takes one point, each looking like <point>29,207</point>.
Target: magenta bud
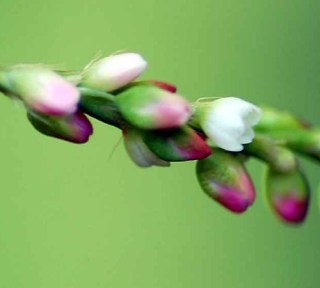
<point>182,144</point>
<point>288,195</point>
<point>41,89</point>
<point>138,151</point>
<point>149,107</point>
<point>74,128</point>
<point>224,178</point>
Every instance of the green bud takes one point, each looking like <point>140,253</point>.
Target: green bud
<point>288,194</point>
<point>182,144</point>
<point>74,128</point>
<point>149,107</point>
<point>224,178</point>
<point>101,105</point>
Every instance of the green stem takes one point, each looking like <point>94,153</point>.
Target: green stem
<point>88,92</point>
<point>269,150</point>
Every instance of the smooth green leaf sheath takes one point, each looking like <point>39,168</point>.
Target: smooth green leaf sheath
<point>224,178</point>
<point>275,154</point>
<point>174,145</point>
<point>288,194</point>
<point>148,107</point>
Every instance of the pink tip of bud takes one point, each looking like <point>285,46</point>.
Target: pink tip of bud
<point>57,98</point>
<point>171,112</point>
<point>232,199</point>
<point>290,208</point>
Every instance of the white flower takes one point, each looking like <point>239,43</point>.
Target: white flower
<point>228,122</point>
<point>113,72</point>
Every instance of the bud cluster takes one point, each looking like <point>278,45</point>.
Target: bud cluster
<point>159,127</point>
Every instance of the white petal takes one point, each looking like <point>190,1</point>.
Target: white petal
<point>247,137</point>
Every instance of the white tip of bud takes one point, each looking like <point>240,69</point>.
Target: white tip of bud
<point>228,122</point>
<point>114,72</point>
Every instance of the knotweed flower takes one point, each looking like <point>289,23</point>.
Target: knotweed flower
<point>224,178</point>
<point>41,89</point>
<point>228,122</point>
<point>149,107</point>
<point>113,72</point>
<point>74,128</point>
<point>138,151</point>
<point>288,195</point>
<point>182,144</point>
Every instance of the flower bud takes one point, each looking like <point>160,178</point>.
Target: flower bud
<point>288,195</point>
<point>74,128</point>
<point>149,107</point>
<point>273,119</point>
<point>224,178</point>
<point>113,72</point>
<point>228,122</point>
<point>269,150</point>
<point>101,105</point>
<point>41,89</point>
<point>138,151</point>
<point>176,145</point>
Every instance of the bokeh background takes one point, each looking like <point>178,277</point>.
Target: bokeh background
<point>84,216</point>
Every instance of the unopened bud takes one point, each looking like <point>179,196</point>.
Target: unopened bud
<point>149,107</point>
<point>138,151</point>
<point>288,195</point>
<point>74,128</point>
<point>101,105</point>
<point>41,89</point>
<point>113,72</point>
<point>183,144</point>
<point>224,178</point>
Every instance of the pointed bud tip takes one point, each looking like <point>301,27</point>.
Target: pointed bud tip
<point>113,72</point>
<point>290,208</point>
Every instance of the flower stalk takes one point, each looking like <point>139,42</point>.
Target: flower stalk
<point>159,126</point>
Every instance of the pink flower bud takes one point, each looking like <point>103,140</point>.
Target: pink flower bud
<point>74,128</point>
<point>224,178</point>
<point>41,89</point>
<point>182,144</point>
<point>113,72</point>
<point>149,107</point>
<point>288,195</point>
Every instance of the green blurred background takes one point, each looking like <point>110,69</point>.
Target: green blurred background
<point>84,216</point>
